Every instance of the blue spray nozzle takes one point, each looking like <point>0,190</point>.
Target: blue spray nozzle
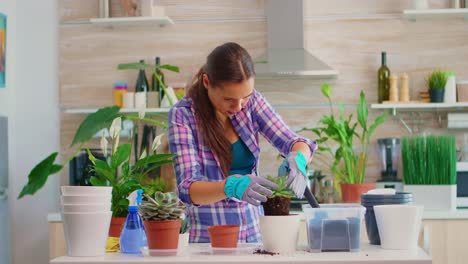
<point>134,198</point>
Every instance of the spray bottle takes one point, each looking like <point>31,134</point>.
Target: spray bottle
<point>133,235</point>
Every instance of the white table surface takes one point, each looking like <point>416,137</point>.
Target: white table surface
<point>202,253</point>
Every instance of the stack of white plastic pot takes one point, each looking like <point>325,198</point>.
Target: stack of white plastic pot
<point>86,212</point>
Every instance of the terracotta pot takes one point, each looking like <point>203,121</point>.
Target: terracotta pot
<point>351,193</point>
<point>224,236</point>
<point>163,234</point>
<point>116,226</point>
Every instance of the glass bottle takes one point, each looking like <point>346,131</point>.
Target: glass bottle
<point>156,85</point>
<point>141,83</point>
<point>383,76</point>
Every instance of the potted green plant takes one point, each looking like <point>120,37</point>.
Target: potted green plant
<point>161,216</point>
<point>279,240</point>
<point>130,178</point>
<point>429,170</point>
<point>436,82</point>
<point>348,162</point>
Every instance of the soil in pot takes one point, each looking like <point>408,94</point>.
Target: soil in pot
<point>224,236</point>
<point>277,205</point>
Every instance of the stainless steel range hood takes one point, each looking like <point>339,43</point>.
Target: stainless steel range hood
<point>286,56</point>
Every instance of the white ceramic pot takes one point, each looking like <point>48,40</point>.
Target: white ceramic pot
<point>399,225</point>
<point>279,233</point>
<point>183,241</point>
<point>86,199</point>
<point>86,208</point>
<point>86,233</point>
<point>86,190</point>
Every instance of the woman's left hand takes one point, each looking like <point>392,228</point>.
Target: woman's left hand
<point>295,165</point>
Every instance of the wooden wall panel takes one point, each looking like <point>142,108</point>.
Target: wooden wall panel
<point>348,35</point>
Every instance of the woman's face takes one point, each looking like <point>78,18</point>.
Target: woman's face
<point>229,98</point>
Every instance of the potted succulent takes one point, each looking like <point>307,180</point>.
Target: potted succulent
<point>348,161</point>
<point>284,239</point>
<point>429,170</point>
<point>436,82</point>
<point>161,216</point>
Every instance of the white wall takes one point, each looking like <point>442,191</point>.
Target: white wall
<point>30,101</point>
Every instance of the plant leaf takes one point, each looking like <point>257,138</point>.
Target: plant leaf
<point>362,111</point>
<point>169,67</point>
<point>326,90</point>
<point>95,181</point>
<point>39,175</point>
<point>152,159</point>
<point>94,122</point>
<point>122,154</point>
<point>378,121</point>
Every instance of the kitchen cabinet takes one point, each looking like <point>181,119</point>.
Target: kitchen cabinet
<point>447,240</point>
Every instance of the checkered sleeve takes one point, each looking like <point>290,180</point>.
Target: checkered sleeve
<point>274,129</point>
<point>182,143</point>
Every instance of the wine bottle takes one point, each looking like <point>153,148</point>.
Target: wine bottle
<point>156,85</point>
<point>383,75</point>
<point>142,82</point>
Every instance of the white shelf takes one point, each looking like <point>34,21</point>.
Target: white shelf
<point>132,21</point>
<point>420,106</point>
<point>122,110</point>
<point>414,14</point>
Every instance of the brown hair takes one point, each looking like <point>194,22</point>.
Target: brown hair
<point>226,63</point>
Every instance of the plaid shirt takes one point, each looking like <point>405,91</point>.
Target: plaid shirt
<point>194,161</point>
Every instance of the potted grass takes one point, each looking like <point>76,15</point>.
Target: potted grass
<point>436,82</point>
<point>429,170</point>
<point>161,216</point>
<point>348,161</point>
<point>276,208</point>
<point>184,232</point>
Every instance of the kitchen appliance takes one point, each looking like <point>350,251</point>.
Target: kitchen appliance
<point>389,153</point>
<point>286,55</point>
<point>462,185</point>
<point>80,167</point>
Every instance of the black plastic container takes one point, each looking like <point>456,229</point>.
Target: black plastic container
<point>369,200</point>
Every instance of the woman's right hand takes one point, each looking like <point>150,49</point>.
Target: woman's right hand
<point>249,188</point>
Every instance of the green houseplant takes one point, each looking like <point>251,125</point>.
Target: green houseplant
<point>161,216</point>
<point>436,82</point>
<point>429,170</point>
<point>279,202</point>
<point>348,162</point>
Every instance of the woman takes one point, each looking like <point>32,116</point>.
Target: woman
<point>214,133</point>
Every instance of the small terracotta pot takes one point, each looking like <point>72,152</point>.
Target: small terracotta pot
<point>224,236</point>
<point>162,234</point>
<point>351,193</point>
<point>116,226</point>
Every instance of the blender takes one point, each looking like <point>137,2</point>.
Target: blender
<point>389,152</point>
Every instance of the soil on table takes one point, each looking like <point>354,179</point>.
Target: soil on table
<point>264,252</point>
<point>277,206</point>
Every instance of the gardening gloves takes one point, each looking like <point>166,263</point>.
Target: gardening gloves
<point>295,166</point>
<point>249,188</point>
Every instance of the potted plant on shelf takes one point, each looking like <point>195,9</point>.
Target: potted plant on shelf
<point>117,171</point>
<point>161,216</point>
<point>429,170</point>
<point>284,239</point>
<point>348,162</point>
<point>436,81</point>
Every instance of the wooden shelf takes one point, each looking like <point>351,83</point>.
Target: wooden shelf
<point>421,106</point>
<point>414,14</point>
<point>123,110</point>
<point>132,21</point>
